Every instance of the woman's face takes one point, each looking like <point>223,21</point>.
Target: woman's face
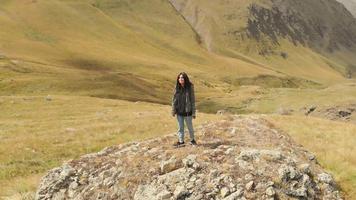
<point>181,79</point>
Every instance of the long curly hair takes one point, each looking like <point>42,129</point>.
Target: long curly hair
<point>187,83</point>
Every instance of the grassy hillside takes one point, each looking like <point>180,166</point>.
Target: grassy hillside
<point>117,50</point>
<point>112,48</point>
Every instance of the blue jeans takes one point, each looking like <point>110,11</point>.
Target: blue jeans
<point>189,123</point>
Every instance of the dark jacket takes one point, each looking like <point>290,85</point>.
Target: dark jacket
<point>183,101</point>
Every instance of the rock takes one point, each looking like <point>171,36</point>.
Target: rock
<point>15,62</point>
<point>260,186</point>
<point>270,183</point>
<point>145,192</point>
<point>190,185</point>
<point>232,187</point>
<point>174,177</point>
<point>190,161</point>
<point>48,98</point>
<point>310,110</point>
<point>272,155</point>
<point>152,191</point>
<point>284,111</point>
<point>343,113</point>
<point>193,179</point>
<point>229,151</point>
<point>248,177</point>
<point>248,155</point>
<point>212,171</point>
<point>73,185</point>
<point>180,192</point>
<point>224,192</point>
<point>287,172</point>
<point>337,113</point>
<point>70,130</point>
<point>249,185</point>
<point>58,195</point>
<point>244,165</point>
<point>169,165</point>
<point>311,157</point>
<point>299,192</point>
<point>54,181</point>
<point>164,195</point>
<point>270,191</point>
<point>305,168</point>
<point>221,112</point>
<point>306,181</point>
<point>235,195</point>
<point>199,183</point>
<point>255,154</point>
<point>325,178</point>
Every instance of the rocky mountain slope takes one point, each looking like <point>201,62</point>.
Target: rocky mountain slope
<point>237,158</point>
<point>274,29</point>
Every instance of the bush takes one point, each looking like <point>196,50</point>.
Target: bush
<point>284,55</point>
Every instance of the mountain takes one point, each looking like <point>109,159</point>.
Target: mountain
<point>123,49</point>
<point>277,32</point>
<point>350,5</point>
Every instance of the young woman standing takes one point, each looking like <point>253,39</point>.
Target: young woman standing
<point>183,105</point>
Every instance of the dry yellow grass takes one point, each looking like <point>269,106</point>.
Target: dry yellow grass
<point>38,134</point>
<point>296,99</point>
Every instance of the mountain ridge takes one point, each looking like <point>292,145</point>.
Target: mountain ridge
<point>147,40</point>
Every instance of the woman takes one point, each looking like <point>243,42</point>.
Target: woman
<point>183,105</point>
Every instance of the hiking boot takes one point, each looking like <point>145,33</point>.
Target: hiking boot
<point>193,142</point>
<point>178,144</point>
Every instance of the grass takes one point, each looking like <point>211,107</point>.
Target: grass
<point>38,134</point>
<point>268,81</point>
<point>296,99</point>
<point>264,99</point>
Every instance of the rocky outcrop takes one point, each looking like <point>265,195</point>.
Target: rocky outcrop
<point>237,158</point>
<point>273,28</point>
<point>300,23</point>
<point>345,113</point>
